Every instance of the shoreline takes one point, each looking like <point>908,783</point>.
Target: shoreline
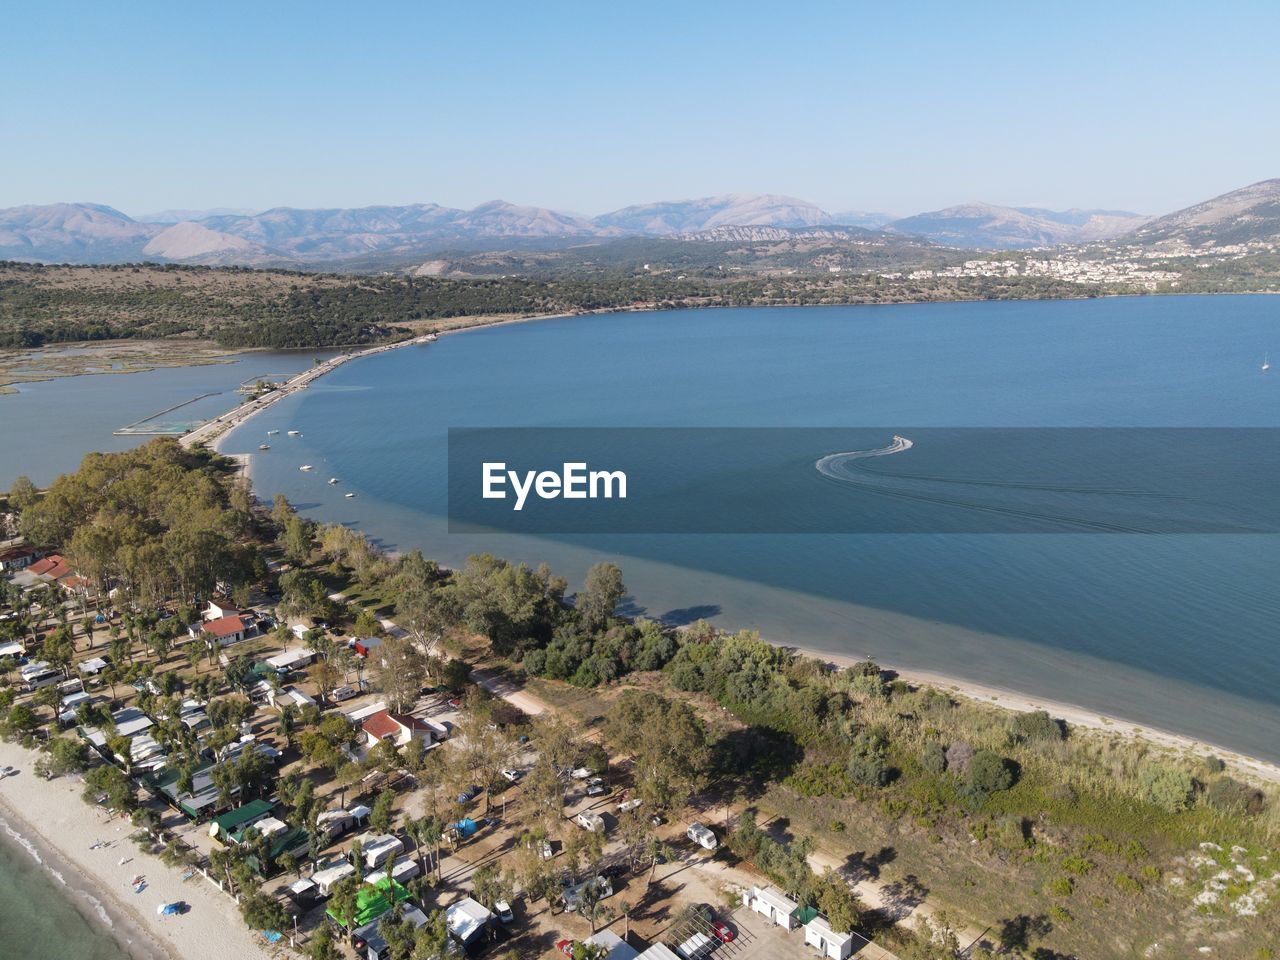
<point>100,909</point>
<point>64,842</point>
<point>215,432</point>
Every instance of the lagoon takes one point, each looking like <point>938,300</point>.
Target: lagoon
<point>1173,631</point>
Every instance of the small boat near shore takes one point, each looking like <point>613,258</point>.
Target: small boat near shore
<point>333,480</point>
<point>294,433</point>
<point>272,433</point>
<point>348,495</point>
<point>306,466</point>
<point>264,446</point>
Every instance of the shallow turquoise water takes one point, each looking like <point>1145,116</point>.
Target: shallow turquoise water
<point>41,918</point>
<point>1174,631</point>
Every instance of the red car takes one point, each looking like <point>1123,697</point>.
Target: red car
<point>565,947</point>
<point>724,933</point>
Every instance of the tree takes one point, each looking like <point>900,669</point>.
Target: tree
<point>22,719</point>
<point>263,912</point>
<point>345,898</point>
<point>489,885</point>
<point>667,742</point>
<point>322,946</point>
<point>326,677</point>
<point>456,674</point>
<point>383,810</point>
<point>837,903</point>
<point>22,494</point>
<point>431,942</point>
<point>600,596</point>
<point>67,756</point>
<point>400,672</point>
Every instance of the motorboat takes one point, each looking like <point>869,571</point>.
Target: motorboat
<point>306,466</point>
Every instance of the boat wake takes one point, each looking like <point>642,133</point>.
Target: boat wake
<point>831,465</point>
<point>1057,504</point>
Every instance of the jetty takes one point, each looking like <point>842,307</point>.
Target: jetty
<point>213,429</point>
<point>147,426</point>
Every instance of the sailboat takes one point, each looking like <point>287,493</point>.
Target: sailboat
<point>1266,362</point>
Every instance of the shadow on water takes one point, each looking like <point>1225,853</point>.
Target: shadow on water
<point>687,615</point>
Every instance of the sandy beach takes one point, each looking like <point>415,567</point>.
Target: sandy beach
<point>52,815</point>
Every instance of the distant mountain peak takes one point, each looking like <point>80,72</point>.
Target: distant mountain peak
<point>990,226</point>
<point>1246,215</point>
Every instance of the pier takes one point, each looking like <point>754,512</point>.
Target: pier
<point>147,425</point>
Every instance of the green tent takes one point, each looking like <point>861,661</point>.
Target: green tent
<point>372,901</point>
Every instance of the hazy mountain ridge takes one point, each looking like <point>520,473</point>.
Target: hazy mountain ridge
<point>1250,214</point>
<point>376,237</point>
<point>988,226</point>
<point>706,213</point>
<point>72,232</point>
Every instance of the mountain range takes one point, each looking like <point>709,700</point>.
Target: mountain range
<point>985,225</point>
<point>286,236</point>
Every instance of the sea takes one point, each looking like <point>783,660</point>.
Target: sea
<point>1176,631</point>
<point>47,426</point>
<point>44,913</point>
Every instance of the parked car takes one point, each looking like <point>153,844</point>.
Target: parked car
<point>455,702</point>
<point>722,931</point>
<point>596,787</point>
<point>511,776</point>
<point>656,820</point>
<point>702,836</point>
<point>580,773</point>
<point>614,871</point>
<point>544,850</point>
<point>502,910</point>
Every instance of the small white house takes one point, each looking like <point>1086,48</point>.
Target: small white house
<point>289,697</point>
<point>616,947</point>
<point>295,658</point>
<point>466,920</point>
<point>773,906</point>
<point>378,849</point>
<point>818,933</point>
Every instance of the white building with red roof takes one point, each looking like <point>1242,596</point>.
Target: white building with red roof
<point>401,729</point>
<point>224,630</point>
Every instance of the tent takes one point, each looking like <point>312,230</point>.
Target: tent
<point>465,828</point>
<point>372,901</point>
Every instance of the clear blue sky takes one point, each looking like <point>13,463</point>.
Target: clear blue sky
<point>591,106</point>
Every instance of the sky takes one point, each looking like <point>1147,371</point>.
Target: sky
<point>587,107</point>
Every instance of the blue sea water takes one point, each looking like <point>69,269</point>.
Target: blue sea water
<point>47,426</point>
<point>41,918</point>
<point>1176,631</point>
